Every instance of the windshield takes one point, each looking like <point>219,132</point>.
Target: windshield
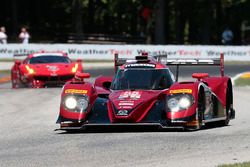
<point>155,79</point>
<point>48,59</point>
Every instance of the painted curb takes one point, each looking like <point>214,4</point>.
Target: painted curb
<point>5,79</point>
<point>238,76</point>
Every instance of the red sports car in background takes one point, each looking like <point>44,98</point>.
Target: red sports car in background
<point>144,93</point>
<point>44,69</point>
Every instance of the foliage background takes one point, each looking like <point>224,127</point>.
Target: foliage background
<point>156,21</point>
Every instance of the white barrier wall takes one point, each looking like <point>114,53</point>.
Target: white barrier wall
<point>83,51</point>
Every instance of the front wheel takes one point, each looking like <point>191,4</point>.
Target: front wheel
<point>199,113</point>
<point>15,83</point>
<point>229,107</point>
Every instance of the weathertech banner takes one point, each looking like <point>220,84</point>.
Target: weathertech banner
<point>106,52</point>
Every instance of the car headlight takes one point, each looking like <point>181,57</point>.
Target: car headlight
<point>184,102</point>
<point>70,103</point>
<point>74,69</point>
<point>77,103</point>
<point>82,104</point>
<point>179,102</point>
<point>173,104</point>
<point>30,70</point>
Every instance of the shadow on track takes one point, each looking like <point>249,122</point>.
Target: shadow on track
<point>137,129</point>
<point>119,130</point>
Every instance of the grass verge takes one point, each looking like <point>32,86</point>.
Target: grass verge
<point>5,72</point>
<point>6,60</point>
<point>4,76</point>
<point>244,164</point>
<point>242,82</point>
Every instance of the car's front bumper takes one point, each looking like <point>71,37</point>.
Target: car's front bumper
<point>79,126</point>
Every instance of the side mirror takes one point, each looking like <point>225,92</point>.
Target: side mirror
<point>200,76</point>
<point>17,62</point>
<point>103,81</point>
<point>81,76</point>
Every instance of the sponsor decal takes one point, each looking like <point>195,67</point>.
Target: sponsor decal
<point>181,91</point>
<point>130,94</point>
<point>140,65</point>
<point>87,51</point>
<point>122,113</point>
<point>52,68</point>
<point>126,104</point>
<point>126,107</point>
<point>53,74</point>
<point>76,91</point>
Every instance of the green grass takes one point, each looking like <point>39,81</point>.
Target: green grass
<point>7,60</point>
<point>5,72</point>
<point>244,164</point>
<point>242,82</point>
<point>237,62</point>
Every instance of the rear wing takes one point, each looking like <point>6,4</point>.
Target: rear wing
<point>178,62</point>
<point>192,62</point>
<point>119,61</point>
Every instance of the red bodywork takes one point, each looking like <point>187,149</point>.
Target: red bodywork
<point>40,75</point>
<point>181,104</point>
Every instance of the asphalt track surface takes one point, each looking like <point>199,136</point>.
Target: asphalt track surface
<point>27,119</point>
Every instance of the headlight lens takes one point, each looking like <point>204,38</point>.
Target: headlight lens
<point>70,103</point>
<point>30,70</point>
<point>74,69</point>
<point>82,104</point>
<point>173,104</point>
<point>184,102</point>
<point>179,102</point>
<point>76,103</point>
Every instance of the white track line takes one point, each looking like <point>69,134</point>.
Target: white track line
<point>238,76</point>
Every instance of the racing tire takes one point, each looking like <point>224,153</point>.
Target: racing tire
<point>15,83</point>
<point>199,113</point>
<point>228,107</point>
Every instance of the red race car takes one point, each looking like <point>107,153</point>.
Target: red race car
<point>39,70</point>
<point>144,93</point>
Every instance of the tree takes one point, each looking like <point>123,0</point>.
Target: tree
<point>160,22</point>
<point>77,16</point>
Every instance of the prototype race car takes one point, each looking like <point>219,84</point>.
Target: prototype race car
<point>44,69</point>
<point>144,93</point>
